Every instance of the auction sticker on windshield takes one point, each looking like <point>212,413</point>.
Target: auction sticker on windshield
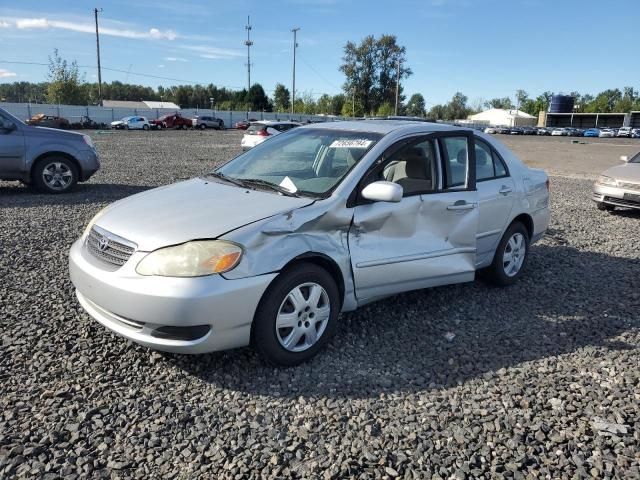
<point>355,143</point>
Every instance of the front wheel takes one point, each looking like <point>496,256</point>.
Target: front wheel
<point>55,175</point>
<point>145,127</point>
<point>297,315</point>
<point>511,256</point>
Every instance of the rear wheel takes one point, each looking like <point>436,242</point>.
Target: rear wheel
<point>202,126</point>
<point>297,315</point>
<point>511,256</point>
<point>145,127</point>
<point>55,175</point>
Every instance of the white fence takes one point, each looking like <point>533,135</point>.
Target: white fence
<point>74,113</point>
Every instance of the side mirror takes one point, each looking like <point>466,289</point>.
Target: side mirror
<point>8,126</point>
<point>382,191</point>
<point>624,158</point>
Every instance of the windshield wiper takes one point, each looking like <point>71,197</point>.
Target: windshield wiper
<point>222,176</point>
<point>272,186</point>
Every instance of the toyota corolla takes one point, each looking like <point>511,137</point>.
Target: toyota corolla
<point>269,248</point>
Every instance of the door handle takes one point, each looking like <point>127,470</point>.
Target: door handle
<point>461,205</point>
<point>505,190</point>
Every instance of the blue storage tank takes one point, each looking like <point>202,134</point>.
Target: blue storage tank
<point>561,104</point>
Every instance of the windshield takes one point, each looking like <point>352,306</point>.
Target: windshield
<point>8,116</point>
<point>635,158</point>
<point>306,161</point>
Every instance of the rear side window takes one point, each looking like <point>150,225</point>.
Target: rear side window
<point>456,161</point>
<point>489,165</point>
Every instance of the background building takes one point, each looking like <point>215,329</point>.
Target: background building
<point>502,117</point>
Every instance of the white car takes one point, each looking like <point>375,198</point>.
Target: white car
<point>606,133</point>
<point>624,132</point>
<point>490,130</point>
<point>559,132</point>
<point>258,132</point>
<point>131,123</point>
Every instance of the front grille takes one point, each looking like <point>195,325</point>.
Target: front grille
<point>629,186</point>
<point>108,247</point>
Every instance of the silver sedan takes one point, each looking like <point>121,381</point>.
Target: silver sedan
<point>269,248</point>
<point>619,186</point>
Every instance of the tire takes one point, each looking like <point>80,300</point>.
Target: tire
<point>202,126</point>
<point>280,307</point>
<point>55,175</point>
<point>503,272</point>
<point>126,127</point>
<point>145,127</point>
<point>605,207</point>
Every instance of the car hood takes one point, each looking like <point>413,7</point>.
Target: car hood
<point>54,133</point>
<point>189,210</point>
<point>629,172</point>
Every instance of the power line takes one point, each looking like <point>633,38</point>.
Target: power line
<point>147,75</point>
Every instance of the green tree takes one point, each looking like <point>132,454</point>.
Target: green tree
<point>503,103</point>
<point>370,69</point>
<point>65,84</point>
<point>337,102</point>
<point>457,107</point>
<point>257,99</point>
<point>323,105</point>
<point>416,105</point>
<point>438,112</point>
<point>521,97</point>
<point>385,110</point>
<point>281,98</point>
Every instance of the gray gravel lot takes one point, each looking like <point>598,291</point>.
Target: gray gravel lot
<point>540,381</point>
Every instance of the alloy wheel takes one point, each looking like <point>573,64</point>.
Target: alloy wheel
<point>514,254</point>
<point>57,176</point>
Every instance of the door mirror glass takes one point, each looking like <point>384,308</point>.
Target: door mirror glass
<point>382,191</point>
<point>8,125</point>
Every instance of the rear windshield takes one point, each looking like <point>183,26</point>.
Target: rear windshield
<point>256,127</point>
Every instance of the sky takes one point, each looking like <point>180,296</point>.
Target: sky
<point>483,48</point>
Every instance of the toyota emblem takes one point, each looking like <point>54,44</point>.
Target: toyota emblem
<point>103,244</point>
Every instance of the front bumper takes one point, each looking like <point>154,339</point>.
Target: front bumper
<point>89,163</point>
<point>620,197</point>
<point>140,308</point>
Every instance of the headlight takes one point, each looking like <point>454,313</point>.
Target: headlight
<point>604,180</point>
<point>191,259</point>
<point>88,141</point>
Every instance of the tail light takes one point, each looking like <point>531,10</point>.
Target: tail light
<point>263,133</point>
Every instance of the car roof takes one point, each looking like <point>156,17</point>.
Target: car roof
<point>386,126</point>
<point>273,122</point>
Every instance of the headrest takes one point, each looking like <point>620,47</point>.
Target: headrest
<point>462,157</point>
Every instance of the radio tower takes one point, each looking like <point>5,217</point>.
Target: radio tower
<point>248,43</point>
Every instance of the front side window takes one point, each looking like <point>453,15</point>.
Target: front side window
<point>456,161</point>
<point>413,167</point>
<point>314,160</point>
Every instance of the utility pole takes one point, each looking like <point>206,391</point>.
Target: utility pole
<point>293,87</point>
<point>397,88</point>
<point>96,11</point>
<point>248,43</point>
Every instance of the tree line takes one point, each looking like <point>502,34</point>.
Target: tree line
<point>374,70</point>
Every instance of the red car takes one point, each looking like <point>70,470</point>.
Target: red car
<point>171,120</point>
<point>244,124</point>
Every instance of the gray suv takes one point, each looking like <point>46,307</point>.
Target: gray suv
<point>206,121</point>
<point>51,160</point>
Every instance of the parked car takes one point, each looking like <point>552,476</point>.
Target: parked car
<point>503,130</point>
<point>515,131</point>
<point>635,133</point>
<point>258,132</point>
<point>559,132</point>
<point>131,123</point>
<point>575,132</point>
<point>87,123</point>
<point>624,132</point>
<point>171,120</point>
<point>592,132</point>
<point>619,186</point>
<point>51,160</point>
<point>244,124</point>
<point>544,131</point>
<point>490,130</point>
<point>51,121</point>
<point>269,248</point>
<point>206,121</point>
<point>606,133</point>
<point>528,130</point>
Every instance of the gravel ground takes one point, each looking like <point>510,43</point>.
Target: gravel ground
<point>537,380</point>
